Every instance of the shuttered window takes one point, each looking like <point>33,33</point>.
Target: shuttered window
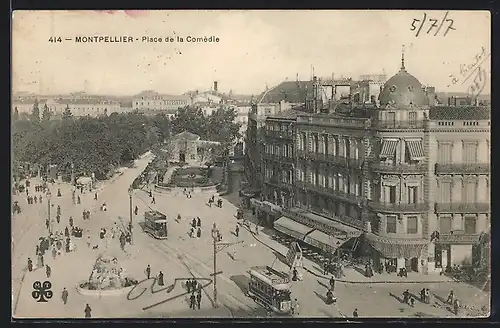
<point>470,153</point>
<point>444,155</point>
<point>412,224</point>
<point>325,145</point>
<point>445,224</point>
<point>391,224</point>
<point>470,225</point>
<point>445,191</point>
<point>469,192</point>
<point>412,195</point>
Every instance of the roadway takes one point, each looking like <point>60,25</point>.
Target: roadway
<point>183,257</point>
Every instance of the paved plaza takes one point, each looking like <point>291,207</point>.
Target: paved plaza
<point>181,256</point>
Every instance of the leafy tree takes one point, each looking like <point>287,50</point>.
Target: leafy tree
<point>35,113</point>
<point>67,115</point>
<point>46,114</point>
<point>15,115</point>
<point>189,119</point>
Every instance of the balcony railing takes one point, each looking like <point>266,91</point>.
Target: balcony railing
<point>399,207</point>
<point>398,168</point>
<point>330,192</point>
<point>341,160</point>
<point>480,168</point>
<point>462,207</point>
<point>465,239</point>
<point>277,158</point>
<point>279,134</point>
<point>387,124</point>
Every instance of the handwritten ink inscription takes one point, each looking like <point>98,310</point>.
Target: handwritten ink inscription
<point>430,25</point>
<point>140,289</point>
<point>474,71</point>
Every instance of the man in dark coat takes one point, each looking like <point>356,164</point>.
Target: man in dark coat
<point>30,265</point>
<point>193,223</point>
<point>160,279</point>
<point>198,233</point>
<point>64,296</point>
<point>198,299</point>
<point>192,301</point>
<point>148,271</point>
<point>48,271</point>
<point>198,222</point>
<point>332,283</point>
<point>88,311</point>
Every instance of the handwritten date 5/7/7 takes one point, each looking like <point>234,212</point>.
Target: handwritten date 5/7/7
<point>432,25</point>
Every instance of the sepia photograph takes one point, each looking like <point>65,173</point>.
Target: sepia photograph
<point>250,164</point>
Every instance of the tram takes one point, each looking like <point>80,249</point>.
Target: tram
<point>271,289</point>
<point>155,224</point>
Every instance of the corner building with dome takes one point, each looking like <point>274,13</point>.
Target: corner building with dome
<point>400,181</point>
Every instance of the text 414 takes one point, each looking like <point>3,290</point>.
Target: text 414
<point>55,39</point>
<point>432,25</point>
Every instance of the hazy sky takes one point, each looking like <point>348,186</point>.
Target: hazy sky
<point>256,48</point>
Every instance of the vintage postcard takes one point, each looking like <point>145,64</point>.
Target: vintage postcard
<point>251,164</point>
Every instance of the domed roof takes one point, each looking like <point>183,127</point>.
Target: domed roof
<point>403,90</point>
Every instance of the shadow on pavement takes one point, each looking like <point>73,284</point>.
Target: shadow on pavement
<point>321,297</point>
<point>400,299</point>
<point>242,282</point>
<point>280,257</point>
<point>323,284</point>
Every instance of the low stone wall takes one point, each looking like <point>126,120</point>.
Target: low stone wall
<point>197,190</point>
<point>100,293</point>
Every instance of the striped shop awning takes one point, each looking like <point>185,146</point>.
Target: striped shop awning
<point>388,148</point>
<point>416,149</point>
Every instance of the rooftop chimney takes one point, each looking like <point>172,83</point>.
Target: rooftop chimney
<point>215,86</point>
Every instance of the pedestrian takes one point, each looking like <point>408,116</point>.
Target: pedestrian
<point>58,218</point>
<point>54,252</point>
<point>40,199</point>
<point>95,196</point>
<point>36,199</point>
<point>427,296</point>
<point>71,221</point>
<point>456,306</point>
<point>41,261</point>
<point>194,285</point>
<point>237,230</point>
<point>355,313</point>
<point>193,223</point>
<point>30,265</point>
<point>88,311</point>
<point>58,210</point>
<point>48,271</point>
<point>78,200</point>
<point>66,231</point>
<point>188,285</point>
<point>37,249</point>
<point>191,232</point>
<point>198,299</point>
<point>160,279</point>
<point>150,194</point>
<point>148,271</point>
<point>198,233</point>
<point>153,201</point>
<point>64,296</point>
<point>58,192</point>
<point>332,283</point>
<point>136,210</point>
<point>210,201</point>
<point>412,301</point>
<point>406,296</point>
<point>192,301</point>
<point>296,308</point>
<point>198,222</point>
<point>451,298</point>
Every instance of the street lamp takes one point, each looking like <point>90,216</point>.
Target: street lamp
<point>215,237</point>
<point>49,196</point>
<point>130,193</point>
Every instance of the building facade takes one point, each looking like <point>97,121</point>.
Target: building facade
<point>153,101</point>
<point>409,178</point>
<point>78,106</point>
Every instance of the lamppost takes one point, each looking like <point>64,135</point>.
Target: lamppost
<point>215,237</point>
<point>130,193</point>
<point>49,196</point>
<point>217,248</point>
